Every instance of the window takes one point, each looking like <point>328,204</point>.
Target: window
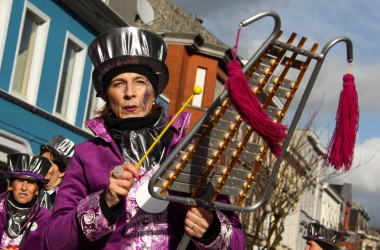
<point>70,79</point>
<point>199,81</point>
<point>30,53</point>
<point>25,55</point>
<point>10,143</point>
<point>5,12</point>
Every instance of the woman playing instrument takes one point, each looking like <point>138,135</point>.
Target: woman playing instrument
<point>97,206</point>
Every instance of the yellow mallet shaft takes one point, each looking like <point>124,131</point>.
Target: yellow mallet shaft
<point>196,91</point>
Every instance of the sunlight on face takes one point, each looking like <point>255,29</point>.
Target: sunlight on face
<point>130,95</point>
<point>24,190</point>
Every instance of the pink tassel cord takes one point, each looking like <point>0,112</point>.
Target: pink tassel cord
<point>340,151</point>
<point>249,107</point>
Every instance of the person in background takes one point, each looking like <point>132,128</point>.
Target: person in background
<point>22,220</point>
<point>320,238</point>
<point>59,151</point>
<point>97,200</point>
<point>3,181</point>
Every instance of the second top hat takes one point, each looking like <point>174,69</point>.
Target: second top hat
<point>62,147</point>
<point>320,233</point>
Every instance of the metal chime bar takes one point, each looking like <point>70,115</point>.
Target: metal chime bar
<point>194,147</point>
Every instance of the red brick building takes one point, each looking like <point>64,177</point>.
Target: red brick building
<point>191,63</point>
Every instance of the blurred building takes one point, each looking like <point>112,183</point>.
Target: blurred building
<point>365,238</point>
<point>348,236</point>
<point>319,202</point>
<point>353,222</point>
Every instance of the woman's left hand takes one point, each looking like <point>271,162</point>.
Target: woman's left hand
<point>197,221</point>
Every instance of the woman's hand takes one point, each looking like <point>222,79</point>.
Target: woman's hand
<point>120,182</point>
<point>197,221</point>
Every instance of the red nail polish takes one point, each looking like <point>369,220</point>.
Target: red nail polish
<point>138,177</point>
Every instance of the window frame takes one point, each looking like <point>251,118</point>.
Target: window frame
<point>13,143</point>
<point>77,77</point>
<point>5,13</point>
<point>200,80</point>
<point>99,102</point>
<point>38,53</point>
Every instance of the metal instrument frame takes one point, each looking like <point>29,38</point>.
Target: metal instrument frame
<point>270,41</point>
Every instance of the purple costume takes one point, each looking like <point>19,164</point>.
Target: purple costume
<point>35,239</point>
<point>77,221</point>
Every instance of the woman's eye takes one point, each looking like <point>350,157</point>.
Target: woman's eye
<point>142,82</point>
<point>116,84</point>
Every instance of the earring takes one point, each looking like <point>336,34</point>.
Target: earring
<point>154,103</point>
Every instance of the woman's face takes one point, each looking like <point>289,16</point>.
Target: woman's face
<point>24,190</point>
<point>130,95</point>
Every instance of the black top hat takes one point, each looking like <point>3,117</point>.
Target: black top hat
<point>62,147</point>
<point>128,46</point>
<point>320,233</point>
<point>28,166</point>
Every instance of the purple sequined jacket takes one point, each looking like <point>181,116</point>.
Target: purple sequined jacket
<point>77,221</point>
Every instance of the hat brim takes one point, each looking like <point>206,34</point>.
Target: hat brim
<point>26,177</point>
<point>321,240</point>
<point>159,68</point>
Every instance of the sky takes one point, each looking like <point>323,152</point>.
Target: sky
<point>320,21</point>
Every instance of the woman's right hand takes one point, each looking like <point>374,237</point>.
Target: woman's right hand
<point>120,182</point>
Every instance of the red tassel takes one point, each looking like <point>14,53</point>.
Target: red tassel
<point>249,107</point>
<point>340,151</point>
